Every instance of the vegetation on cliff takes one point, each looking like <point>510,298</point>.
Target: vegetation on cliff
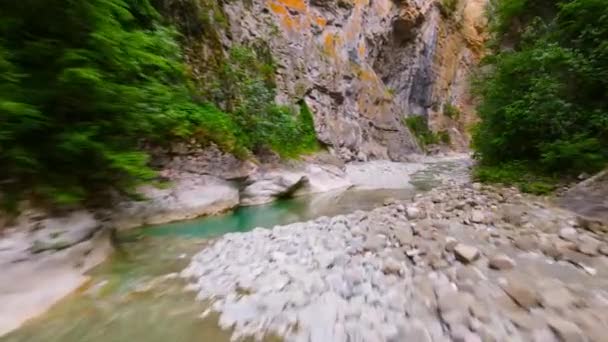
<point>544,92</point>
<point>84,85</point>
<point>418,125</point>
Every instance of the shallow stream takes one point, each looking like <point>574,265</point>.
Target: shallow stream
<point>136,296</point>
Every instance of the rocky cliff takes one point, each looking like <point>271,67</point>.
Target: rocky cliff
<point>360,65</point>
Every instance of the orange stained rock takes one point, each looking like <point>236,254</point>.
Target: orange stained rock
<point>277,8</point>
<point>329,44</point>
<point>298,5</point>
<point>286,20</point>
<point>321,22</point>
<point>361,49</point>
<point>367,75</point>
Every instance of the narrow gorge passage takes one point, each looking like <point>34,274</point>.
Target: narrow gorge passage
<point>137,294</point>
<point>304,170</point>
<point>460,262</point>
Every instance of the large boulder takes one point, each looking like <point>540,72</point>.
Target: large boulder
<point>188,197</point>
<point>324,178</point>
<point>267,187</point>
<point>64,231</point>
<point>300,179</point>
<point>589,198</point>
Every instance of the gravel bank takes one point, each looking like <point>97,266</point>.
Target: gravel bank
<point>460,263</point>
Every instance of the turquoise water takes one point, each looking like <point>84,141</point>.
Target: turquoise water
<point>129,297</point>
<point>279,213</point>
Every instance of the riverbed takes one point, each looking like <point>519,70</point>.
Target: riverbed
<point>136,295</point>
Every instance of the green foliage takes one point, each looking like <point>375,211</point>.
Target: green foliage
<point>86,85</point>
<point>448,7</point>
<point>516,174</point>
<point>444,137</point>
<point>545,102</point>
<point>451,111</point>
<point>418,126</point>
<point>245,89</point>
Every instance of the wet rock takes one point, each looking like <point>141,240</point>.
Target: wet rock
<point>465,253</point>
<point>501,262</point>
<point>522,295</point>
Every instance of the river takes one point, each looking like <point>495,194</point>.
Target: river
<point>136,295</point>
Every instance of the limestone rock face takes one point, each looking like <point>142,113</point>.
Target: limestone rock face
<point>190,196</point>
<point>362,66</point>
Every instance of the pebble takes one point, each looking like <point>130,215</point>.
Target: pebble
<point>413,213</point>
<point>556,298</point>
<point>522,295</point>
<point>565,330</point>
<point>603,249</point>
<point>386,278</point>
<point>501,262</point>
<point>589,246</point>
<point>568,233</point>
<point>525,243</point>
<point>465,253</point>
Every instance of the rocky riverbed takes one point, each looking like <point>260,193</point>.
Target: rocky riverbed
<point>51,254</point>
<point>459,263</point>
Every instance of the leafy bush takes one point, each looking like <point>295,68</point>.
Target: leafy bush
<point>86,85</point>
<point>444,137</point>
<point>451,111</point>
<point>544,103</point>
<point>246,90</point>
<point>516,174</point>
<point>418,126</point>
<point>448,7</point>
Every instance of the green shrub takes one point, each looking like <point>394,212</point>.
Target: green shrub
<point>545,102</point>
<point>448,7</point>
<point>418,126</point>
<point>516,174</point>
<point>451,111</point>
<point>444,137</point>
<point>86,85</point>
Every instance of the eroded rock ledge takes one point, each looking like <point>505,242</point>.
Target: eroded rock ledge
<point>461,263</point>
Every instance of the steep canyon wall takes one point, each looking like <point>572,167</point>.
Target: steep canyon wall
<point>361,66</point>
